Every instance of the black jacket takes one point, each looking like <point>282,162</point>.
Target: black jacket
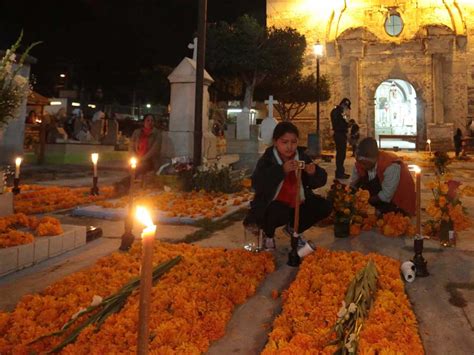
<point>268,175</point>
<point>339,124</point>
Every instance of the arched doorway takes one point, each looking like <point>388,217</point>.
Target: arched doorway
<point>395,112</point>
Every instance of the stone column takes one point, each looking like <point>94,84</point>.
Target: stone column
<point>438,97</point>
<point>354,88</point>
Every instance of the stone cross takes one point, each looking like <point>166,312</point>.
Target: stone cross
<point>194,47</point>
<point>270,102</point>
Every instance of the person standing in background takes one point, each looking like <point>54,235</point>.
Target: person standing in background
<point>340,128</point>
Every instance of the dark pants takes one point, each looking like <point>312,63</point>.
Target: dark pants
<point>374,187</point>
<point>340,138</point>
<point>314,209</point>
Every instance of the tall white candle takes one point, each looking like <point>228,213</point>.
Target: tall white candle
<point>146,279</point>
<point>95,159</point>
<point>17,167</point>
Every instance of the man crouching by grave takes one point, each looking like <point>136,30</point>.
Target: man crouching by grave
<point>275,185</point>
<point>386,177</point>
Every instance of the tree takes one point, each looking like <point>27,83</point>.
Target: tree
<point>250,52</point>
<point>294,93</point>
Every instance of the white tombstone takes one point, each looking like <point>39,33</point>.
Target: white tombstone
<point>243,124</point>
<point>270,102</point>
<point>267,127</point>
<point>179,140</point>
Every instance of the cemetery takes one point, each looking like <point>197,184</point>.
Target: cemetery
<point>256,232</point>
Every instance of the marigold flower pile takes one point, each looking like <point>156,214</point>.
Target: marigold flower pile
<point>445,206</point>
<point>312,302</point>
<point>190,307</point>
<point>187,204</point>
<point>10,236</point>
<point>42,199</point>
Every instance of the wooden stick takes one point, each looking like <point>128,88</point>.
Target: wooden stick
<point>296,224</point>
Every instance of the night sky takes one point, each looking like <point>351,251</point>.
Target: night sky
<point>105,43</point>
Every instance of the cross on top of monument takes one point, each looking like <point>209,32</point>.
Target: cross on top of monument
<point>270,102</point>
<point>194,46</point>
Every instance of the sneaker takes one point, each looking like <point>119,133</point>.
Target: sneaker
<point>289,231</point>
<point>269,244</point>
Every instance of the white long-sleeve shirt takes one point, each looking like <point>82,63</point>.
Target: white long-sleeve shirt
<point>391,179</point>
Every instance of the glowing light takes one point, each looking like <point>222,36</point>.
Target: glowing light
<point>144,218</point>
<point>76,104</point>
<point>55,103</point>
<point>318,49</point>
<point>91,105</point>
<point>148,105</point>
<point>95,158</point>
<point>415,168</point>
<point>428,141</point>
<point>62,75</point>
<point>133,163</point>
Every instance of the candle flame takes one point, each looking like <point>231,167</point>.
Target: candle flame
<point>428,141</point>
<point>133,163</point>
<point>18,161</point>
<point>95,157</point>
<point>143,216</point>
<point>415,168</point>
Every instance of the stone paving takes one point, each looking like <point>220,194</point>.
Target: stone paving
<point>443,302</point>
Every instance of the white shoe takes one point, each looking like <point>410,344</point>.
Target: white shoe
<point>289,231</point>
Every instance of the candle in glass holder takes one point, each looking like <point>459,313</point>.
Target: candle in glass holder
<point>95,159</point>
<point>148,237</point>
<point>18,161</point>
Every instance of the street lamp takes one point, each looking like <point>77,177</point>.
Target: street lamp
<point>314,139</point>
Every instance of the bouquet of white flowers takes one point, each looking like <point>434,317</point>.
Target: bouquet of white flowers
<point>14,88</point>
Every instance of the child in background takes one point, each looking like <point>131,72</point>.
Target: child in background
<point>274,182</point>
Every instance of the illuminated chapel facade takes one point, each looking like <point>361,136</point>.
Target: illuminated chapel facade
<point>406,65</point>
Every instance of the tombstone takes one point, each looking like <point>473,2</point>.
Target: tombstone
<point>243,125</point>
<point>111,136</point>
<point>179,140</point>
<point>267,127</point>
<point>97,125</point>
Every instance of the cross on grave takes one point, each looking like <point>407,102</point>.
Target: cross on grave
<point>270,102</point>
<point>194,47</point>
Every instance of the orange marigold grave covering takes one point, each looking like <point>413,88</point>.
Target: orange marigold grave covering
<point>10,236</point>
<point>312,302</point>
<point>190,307</point>
<point>193,204</point>
<point>41,199</point>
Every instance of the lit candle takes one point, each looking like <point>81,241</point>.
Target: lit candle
<point>417,171</point>
<point>429,145</point>
<point>95,159</point>
<point>133,166</point>
<point>17,167</point>
<point>148,237</point>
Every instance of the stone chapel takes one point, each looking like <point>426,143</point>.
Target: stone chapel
<point>406,65</point>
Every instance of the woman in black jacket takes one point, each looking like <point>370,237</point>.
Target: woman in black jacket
<point>274,182</point>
